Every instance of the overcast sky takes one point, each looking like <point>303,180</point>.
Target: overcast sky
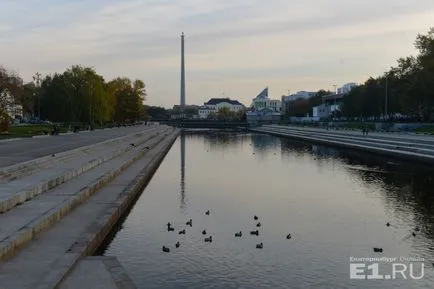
<point>233,47</point>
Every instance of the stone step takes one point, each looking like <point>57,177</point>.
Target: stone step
<point>411,138</point>
<point>48,259</point>
<point>25,222</point>
<point>424,157</point>
<point>404,146</point>
<point>22,190</point>
<point>25,168</point>
<point>401,141</point>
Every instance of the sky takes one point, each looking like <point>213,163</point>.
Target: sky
<point>233,48</point>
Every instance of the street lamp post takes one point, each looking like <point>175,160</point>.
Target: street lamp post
<point>386,97</point>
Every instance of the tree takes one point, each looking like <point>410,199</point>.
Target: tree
<point>11,87</point>
<point>156,112</point>
<point>128,98</point>
<point>409,86</point>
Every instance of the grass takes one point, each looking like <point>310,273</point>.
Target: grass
<point>425,129</point>
<point>28,131</point>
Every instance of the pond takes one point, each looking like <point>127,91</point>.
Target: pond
<point>335,204</point>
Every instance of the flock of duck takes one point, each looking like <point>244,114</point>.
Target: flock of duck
<point>209,238</point>
<point>380,250</point>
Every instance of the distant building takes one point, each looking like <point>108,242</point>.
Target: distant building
<point>346,87</point>
<point>287,99</point>
<point>332,102</point>
<point>263,108</point>
<point>214,104</point>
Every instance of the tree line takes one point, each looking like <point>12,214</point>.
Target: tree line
<point>79,94</point>
<point>405,91</point>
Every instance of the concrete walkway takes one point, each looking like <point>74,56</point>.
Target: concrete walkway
<point>410,147</point>
<point>98,272</point>
<point>43,239</point>
<point>25,149</point>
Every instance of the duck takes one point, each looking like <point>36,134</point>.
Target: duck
<point>182,232</point>
<point>189,223</point>
<point>131,144</point>
<point>258,224</point>
<point>259,246</point>
<point>53,155</point>
<point>255,218</point>
<point>388,224</point>
<point>203,232</point>
<point>165,249</point>
<point>254,233</point>
<point>169,227</point>
<point>239,234</point>
<point>209,239</point>
<point>378,250</point>
<point>177,244</point>
<point>288,236</point>
<point>414,234</point>
<point>207,212</point>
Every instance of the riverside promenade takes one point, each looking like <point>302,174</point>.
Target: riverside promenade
<point>61,196</point>
<point>407,146</point>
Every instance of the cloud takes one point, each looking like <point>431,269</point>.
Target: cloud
<point>232,46</point>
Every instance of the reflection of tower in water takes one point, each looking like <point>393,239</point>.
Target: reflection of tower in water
<point>182,169</point>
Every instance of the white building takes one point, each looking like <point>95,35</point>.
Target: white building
<point>215,104</point>
<point>261,101</point>
<point>264,108</point>
<point>346,87</point>
<point>332,103</point>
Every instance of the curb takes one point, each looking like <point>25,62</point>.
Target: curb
<point>11,139</point>
<point>11,245</point>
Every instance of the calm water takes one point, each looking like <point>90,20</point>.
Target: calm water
<point>334,203</point>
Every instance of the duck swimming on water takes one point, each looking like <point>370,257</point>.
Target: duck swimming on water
<point>182,232</point>
<point>288,236</point>
<point>378,250</point>
<point>209,239</point>
<point>203,232</point>
<point>165,249</point>
<point>189,223</point>
<point>254,233</point>
<point>177,244</point>
<point>239,234</point>
<point>255,218</point>
<point>259,246</point>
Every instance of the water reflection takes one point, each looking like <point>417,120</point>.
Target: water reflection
<point>182,141</point>
<point>335,202</point>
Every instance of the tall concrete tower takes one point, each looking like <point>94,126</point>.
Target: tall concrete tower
<point>182,74</point>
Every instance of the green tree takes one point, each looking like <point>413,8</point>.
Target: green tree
<point>11,89</point>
